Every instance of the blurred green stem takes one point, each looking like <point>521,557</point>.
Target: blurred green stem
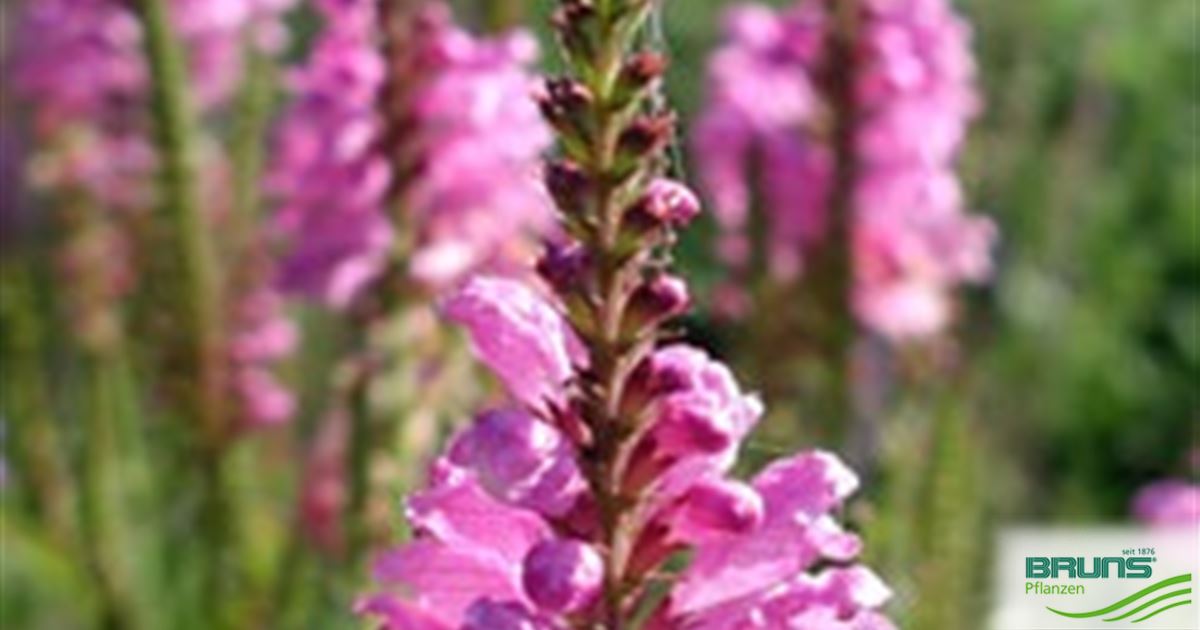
<point>254,107</point>
<point>359,453</point>
<point>833,266</point>
<point>199,303</point>
<point>102,498</point>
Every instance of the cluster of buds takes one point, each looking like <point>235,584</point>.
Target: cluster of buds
<point>613,453</point>
<point>614,204</point>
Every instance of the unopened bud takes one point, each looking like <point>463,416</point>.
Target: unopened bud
<point>566,104</point>
<point>641,71</point>
<point>666,203</point>
<point>654,302</point>
<point>643,138</point>
<point>564,267</point>
<point>562,575</point>
<point>570,187</point>
<point>578,29</point>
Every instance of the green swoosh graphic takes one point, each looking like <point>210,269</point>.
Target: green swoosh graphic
<point>1163,610</point>
<point>1179,579</point>
<point>1151,603</point>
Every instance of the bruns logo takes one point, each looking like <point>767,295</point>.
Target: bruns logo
<point>1096,567</point>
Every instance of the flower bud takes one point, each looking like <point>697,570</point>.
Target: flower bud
<point>566,104</point>
<point>654,302</point>
<point>570,187</point>
<point>640,72</point>
<point>562,575</point>
<point>666,203</point>
<point>644,137</point>
<point>578,29</point>
<point>564,267</point>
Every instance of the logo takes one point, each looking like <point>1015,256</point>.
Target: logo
<point>1058,578</point>
<point>1042,567</point>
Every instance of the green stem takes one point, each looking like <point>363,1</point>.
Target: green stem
<point>254,109</point>
<point>190,236</point>
<point>198,303</point>
<point>833,266</point>
<point>102,498</point>
<point>359,456</point>
<point>37,448</point>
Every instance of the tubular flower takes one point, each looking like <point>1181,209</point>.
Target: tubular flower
<point>613,454</point>
<point>441,130</point>
<point>913,95</point>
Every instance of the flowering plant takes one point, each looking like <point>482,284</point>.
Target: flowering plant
<point>568,506</point>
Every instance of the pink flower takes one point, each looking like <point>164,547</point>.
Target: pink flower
<point>1167,503</point>
<point>455,150</point>
<point>517,334</point>
<point>475,200</point>
<point>763,573</point>
<point>327,175</point>
<point>475,562</point>
<point>511,481</point>
<point>521,460</point>
<point>911,241</point>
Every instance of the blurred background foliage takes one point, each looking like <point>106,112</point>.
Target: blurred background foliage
<point>1082,357</point>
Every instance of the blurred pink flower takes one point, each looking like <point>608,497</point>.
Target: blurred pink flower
<point>764,136</point>
<point>327,173</point>
<point>461,127</point>
<point>81,67</point>
<point>1171,502</point>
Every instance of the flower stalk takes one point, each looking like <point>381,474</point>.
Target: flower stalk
<point>612,455</point>
<point>198,305</point>
<point>612,140</point>
<point>198,302</point>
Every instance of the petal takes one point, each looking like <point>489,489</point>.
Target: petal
<point>517,334</point>
<point>463,516</point>
<point>443,580</point>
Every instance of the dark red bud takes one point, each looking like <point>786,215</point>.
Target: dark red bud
<point>642,70</point>
<point>564,267</point>
<point>646,136</point>
<point>655,301</point>
<point>569,185</point>
<point>566,104</point>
